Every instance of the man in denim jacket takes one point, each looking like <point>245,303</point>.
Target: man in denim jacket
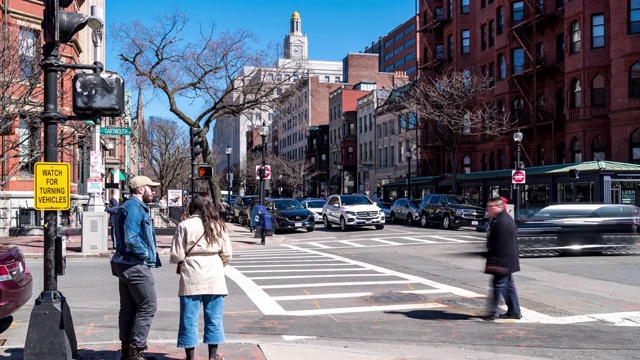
<point>134,240</point>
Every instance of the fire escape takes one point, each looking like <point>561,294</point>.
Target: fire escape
<point>530,64</point>
<point>434,19</point>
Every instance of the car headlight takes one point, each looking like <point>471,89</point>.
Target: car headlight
<point>351,213</point>
<point>459,212</point>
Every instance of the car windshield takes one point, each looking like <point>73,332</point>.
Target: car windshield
<point>384,205</point>
<point>415,203</point>
<point>459,200</point>
<point>315,204</point>
<point>287,204</point>
<point>355,200</point>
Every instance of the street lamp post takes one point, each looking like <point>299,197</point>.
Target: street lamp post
<point>517,137</point>
<point>340,170</point>
<point>263,130</point>
<point>409,155</point>
<point>228,151</point>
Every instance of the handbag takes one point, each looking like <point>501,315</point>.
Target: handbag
<point>179,267</point>
<point>492,267</point>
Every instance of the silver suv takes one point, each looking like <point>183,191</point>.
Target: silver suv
<point>351,211</point>
<point>405,210</point>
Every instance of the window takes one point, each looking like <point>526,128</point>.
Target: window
<point>392,152</point>
<point>517,55</point>
<point>410,57</point>
<point>500,17</point>
<point>29,137</point>
<point>576,150</point>
<point>483,36</point>
<point>576,94</point>
<point>634,16</point>
<point>492,161</point>
<point>560,102</point>
<point>484,162</point>
<point>401,123</point>
<point>464,6</point>
<point>364,154</point>
<point>501,160</point>
<point>409,29</point>
<point>560,47</point>
<point>518,109</point>
<point>370,150</point>
<point>575,37</point>
<point>597,31</point>
<point>490,73</point>
<point>597,91</point>
<point>635,147</point>
<point>491,37</point>
<point>517,12</point>
<point>465,41</point>
<point>483,3</point>
<point>599,148</point>
<point>409,43</point>
<point>450,8</point>
<point>561,154</point>
<point>450,47</point>
<point>29,41</point>
<point>634,80</point>
<point>502,74</point>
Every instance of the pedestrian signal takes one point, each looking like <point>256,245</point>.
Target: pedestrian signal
<point>205,171</point>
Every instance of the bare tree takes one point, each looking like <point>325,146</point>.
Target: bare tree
<point>166,149</point>
<point>21,105</point>
<point>222,71</point>
<point>284,173</point>
<point>454,107</point>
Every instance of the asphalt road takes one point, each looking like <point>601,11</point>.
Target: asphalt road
<point>402,286</point>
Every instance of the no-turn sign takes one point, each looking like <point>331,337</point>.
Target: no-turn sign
<point>518,177</point>
<point>267,172</point>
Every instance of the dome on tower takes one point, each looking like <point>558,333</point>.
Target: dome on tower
<point>295,15</point>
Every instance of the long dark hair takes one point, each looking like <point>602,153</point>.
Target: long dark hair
<point>213,225</point>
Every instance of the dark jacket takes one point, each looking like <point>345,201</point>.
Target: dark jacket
<point>502,242</point>
<point>112,209</point>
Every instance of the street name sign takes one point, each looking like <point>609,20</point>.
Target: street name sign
<point>518,177</point>
<point>52,186</point>
<point>115,131</point>
<point>267,172</point>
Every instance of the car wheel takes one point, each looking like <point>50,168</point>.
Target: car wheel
<point>393,218</point>
<point>423,220</point>
<point>327,224</point>
<point>409,218</point>
<point>446,222</point>
<point>343,224</point>
<point>379,227</point>
<point>309,229</point>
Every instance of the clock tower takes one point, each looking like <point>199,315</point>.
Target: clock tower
<point>295,43</point>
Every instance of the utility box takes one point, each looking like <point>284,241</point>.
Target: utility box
<point>94,232</point>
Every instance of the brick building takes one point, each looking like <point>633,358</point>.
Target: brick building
<point>566,72</point>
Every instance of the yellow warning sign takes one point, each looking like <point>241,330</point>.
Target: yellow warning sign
<point>52,186</point>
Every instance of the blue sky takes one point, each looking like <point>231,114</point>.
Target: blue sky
<point>333,27</point>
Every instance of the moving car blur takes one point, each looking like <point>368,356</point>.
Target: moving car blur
<point>570,228</point>
<point>16,285</point>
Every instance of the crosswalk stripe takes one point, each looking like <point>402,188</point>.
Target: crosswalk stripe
<point>314,276</point>
<point>419,240</point>
<point>386,241</point>
<point>303,270</point>
<point>449,239</point>
<point>351,243</point>
<point>255,266</point>
<point>348,295</point>
<point>235,261</point>
<point>378,308</point>
<point>322,246</point>
<point>277,257</point>
<point>350,283</point>
<point>473,237</point>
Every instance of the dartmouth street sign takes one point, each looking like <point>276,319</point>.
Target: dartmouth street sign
<point>115,131</point>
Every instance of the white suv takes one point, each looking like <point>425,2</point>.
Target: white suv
<point>351,210</point>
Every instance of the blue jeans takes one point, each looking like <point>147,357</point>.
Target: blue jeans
<point>213,306</point>
<point>503,286</point>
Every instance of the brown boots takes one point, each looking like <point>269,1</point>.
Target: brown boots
<point>136,353</point>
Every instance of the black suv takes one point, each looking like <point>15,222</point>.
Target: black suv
<point>240,207</point>
<point>450,211</point>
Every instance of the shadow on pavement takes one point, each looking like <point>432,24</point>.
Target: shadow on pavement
<point>110,354</point>
<point>5,323</point>
<point>432,315</point>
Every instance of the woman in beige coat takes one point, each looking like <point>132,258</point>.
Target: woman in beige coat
<point>201,244</point>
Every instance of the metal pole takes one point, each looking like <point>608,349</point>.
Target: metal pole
<point>518,186</point>
<point>228,179</point>
<point>409,178</point>
<point>264,154</point>
<point>96,201</point>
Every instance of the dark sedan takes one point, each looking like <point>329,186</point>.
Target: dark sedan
<point>289,214</point>
<point>568,228</point>
<point>16,285</point>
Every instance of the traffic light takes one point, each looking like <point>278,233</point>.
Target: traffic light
<point>574,173</point>
<point>95,94</point>
<point>205,171</point>
<point>196,142</point>
<point>59,26</point>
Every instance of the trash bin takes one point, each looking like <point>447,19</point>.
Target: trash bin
<point>261,220</point>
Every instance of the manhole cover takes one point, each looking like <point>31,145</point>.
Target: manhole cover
<point>395,298</point>
<point>465,302</point>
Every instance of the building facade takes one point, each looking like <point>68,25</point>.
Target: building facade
<point>399,49</point>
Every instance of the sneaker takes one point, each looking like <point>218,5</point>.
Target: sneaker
<point>513,316</point>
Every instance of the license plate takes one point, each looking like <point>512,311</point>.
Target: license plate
<point>474,223</point>
<point>298,224</point>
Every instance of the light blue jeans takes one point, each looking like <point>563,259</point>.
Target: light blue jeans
<point>213,306</point>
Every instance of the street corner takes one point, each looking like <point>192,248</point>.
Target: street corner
<point>168,351</point>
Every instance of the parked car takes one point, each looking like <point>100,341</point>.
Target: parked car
<point>16,282</point>
<point>315,206</point>
<point>350,211</point>
<point>386,209</point>
<point>240,207</point>
<point>564,228</point>
<point>288,214</point>
<point>406,210</point>
<point>450,211</point>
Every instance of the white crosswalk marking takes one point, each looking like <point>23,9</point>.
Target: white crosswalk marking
<point>401,239</point>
